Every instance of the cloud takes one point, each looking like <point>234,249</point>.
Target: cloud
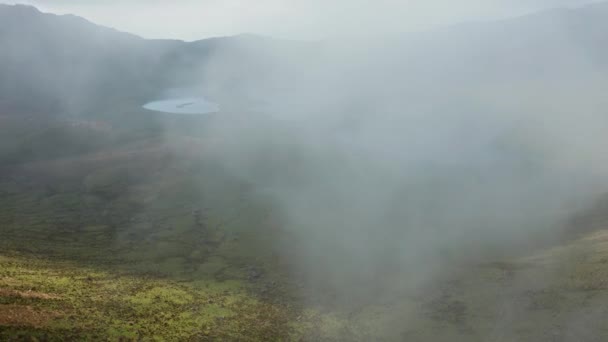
<point>190,20</point>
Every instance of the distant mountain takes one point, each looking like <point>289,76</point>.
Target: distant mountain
<point>66,64</point>
<point>53,63</point>
<point>547,46</point>
<point>47,58</point>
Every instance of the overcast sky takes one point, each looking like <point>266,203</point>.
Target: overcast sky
<point>300,19</point>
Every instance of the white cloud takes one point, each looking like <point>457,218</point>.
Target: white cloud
<point>191,19</point>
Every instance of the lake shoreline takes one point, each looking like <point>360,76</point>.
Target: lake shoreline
<point>189,105</point>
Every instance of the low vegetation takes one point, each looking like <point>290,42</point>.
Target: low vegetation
<point>147,239</point>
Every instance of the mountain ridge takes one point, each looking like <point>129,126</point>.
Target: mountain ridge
<point>53,57</point>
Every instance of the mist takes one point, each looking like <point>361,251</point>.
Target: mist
<point>387,162</point>
<point>295,19</point>
<point>392,161</point>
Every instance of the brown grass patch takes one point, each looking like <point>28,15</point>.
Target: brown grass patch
<point>21,315</point>
<point>27,294</point>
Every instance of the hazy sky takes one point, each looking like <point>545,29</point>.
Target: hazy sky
<point>195,19</point>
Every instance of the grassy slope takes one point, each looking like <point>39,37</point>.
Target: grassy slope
<point>559,293</point>
<point>142,239</point>
<point>139,238</point>
<point>60,300</point>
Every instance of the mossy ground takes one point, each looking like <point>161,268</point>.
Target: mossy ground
<point>59,301</point>
<point>144,237</point>
<point>134,238</point>
<point>559,293</point>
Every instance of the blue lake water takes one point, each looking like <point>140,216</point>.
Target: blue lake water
<point>188,105</point>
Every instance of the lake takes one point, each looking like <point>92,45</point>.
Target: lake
<point>189,105</point>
